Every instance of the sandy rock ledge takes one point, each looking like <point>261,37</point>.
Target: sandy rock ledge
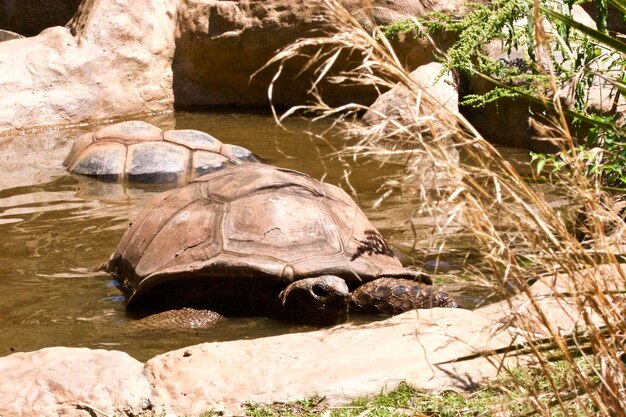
<point>339,363</point>
<point>62,381</point>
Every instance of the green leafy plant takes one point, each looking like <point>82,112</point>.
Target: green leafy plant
<point>485,23</point>
<point>579,59</point>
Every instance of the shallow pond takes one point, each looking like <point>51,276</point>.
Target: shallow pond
<point>56,229</point>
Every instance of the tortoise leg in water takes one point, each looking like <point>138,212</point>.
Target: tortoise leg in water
<point>184,318</point>
<point>391,296</point>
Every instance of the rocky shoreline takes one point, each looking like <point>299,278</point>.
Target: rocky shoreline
<point>339,363</point>
<point>432,350</point>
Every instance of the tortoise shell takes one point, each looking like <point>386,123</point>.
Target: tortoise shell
<point>251,223</point>
<point>139,152</point>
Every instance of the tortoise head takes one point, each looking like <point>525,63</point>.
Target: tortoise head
<point>319,301</point>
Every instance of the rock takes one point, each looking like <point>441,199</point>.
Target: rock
<point>506,121</point>
<point>432,118</point>
<point>561,311</point>
<point>615,19</point>
<point>77,382</point>
<point>29,17</point>
<point>6,35</point>
<point>220,45</point>
<point>340,363</point>
<point>411,49</point>
<point>601,96</point>
<point>400,104</point>
<point>113,61</point>
<point>429,349</point>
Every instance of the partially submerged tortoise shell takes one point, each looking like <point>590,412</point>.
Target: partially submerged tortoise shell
<point>249,223</point>
<point>139,152</point>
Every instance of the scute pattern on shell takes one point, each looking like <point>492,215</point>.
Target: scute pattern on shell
<point>250,221</point>
<point>139,152</point>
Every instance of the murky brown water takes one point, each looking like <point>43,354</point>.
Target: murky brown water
<point>56,230</point>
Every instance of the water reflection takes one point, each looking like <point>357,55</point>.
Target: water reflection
<point>57,229</point>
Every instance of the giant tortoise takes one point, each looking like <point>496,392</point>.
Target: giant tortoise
<point>257,240</point>
<point>138,152</point>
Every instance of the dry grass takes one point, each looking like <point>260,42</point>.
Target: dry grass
<point>517,231</point>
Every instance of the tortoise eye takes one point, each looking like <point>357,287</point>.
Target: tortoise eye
<point>320,290</point>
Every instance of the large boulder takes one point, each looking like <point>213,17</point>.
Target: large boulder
<point>122,58</point>
<point>440,98</point>
<point>507,120</point>
<point>220,45</point>
<point>429,113</point>
<point>616,21</point>
<point>432,349</point>
<point>29,17</point>
<point>560,311</point>
<point>342,363</point>
<point>7,35</point>
<point>113,60</point>
<point>72,382</point>
<point>600,95</point>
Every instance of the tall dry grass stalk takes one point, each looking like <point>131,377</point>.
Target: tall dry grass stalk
<point>576,309</point>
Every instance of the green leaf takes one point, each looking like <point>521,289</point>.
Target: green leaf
<point>534,156</point>
<point>540,164</point>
